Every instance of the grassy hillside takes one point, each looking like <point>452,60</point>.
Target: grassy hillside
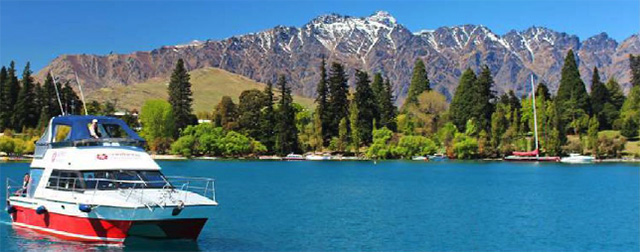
<point>208,86</point>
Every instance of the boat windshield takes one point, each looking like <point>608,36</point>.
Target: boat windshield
<point>112,179</point>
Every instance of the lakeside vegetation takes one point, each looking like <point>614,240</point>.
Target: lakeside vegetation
<point>363,121</point>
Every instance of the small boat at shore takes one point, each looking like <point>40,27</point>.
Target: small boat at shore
<point>269,158</point>
<point>419,158</point>
<point>314,157</point>
<point>104,189</point>
<point>438,157</point>
<point>293,157</point>
<point>575,158</point>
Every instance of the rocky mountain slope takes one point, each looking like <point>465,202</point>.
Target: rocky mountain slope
<point>375,43</point>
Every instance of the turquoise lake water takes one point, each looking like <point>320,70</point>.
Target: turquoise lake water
<point>394,206</point>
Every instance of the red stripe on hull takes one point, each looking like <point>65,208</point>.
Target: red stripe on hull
<point>105,231</point>
<point>98,228</point>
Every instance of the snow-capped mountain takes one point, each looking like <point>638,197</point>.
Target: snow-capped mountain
<point>377,43</point>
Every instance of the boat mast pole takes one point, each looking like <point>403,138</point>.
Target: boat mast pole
<point>55,85</point>
<point>535,116</point>
<point>84,104</point>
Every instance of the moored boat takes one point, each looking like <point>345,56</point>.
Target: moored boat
<point>293,156</point>
<point>106,188</point>
<point>575,158</point>
<point>419,158</point>
<point>438,157</point>
<point>314,157</point>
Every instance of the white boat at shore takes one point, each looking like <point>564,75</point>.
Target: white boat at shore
<point>575,158</point>
<point>293,156</point>
<point>419,158</point>
<point>438,157</point>
<point>314,157</point>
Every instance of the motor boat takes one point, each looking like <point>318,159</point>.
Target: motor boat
<point>105,189</point>
<point>314,157</point>
<point>438,157</point>
<point>419,158</point>
<point>575,158</point>
<point>293,156</point>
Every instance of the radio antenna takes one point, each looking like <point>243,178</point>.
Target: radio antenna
<point>84,104</point>
<point>55,85</point>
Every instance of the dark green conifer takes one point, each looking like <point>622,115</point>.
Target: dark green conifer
<point>10,98</point>
<point>377,86</point>
<point>322,105</point>
<point>572,97</point>
<point>366,107</point>
<point>338,102</point>
<point>287,132</point>
<point>26,113</point>
<point>268,121</point>
<point>250,112</point>
<point>180,97</point>
<point>463,100</point>
<point>226,114</point>
<point>387,108</point>
<point>484,96</point>
<point>419,83</point>
<point>3,106</point>
<point>634,65</point>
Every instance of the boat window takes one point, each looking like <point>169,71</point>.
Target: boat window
<point>111,131</point>
<point>34,174</point>
<point>105,180</point>
<point>62,133</point>
<point>65,181</point>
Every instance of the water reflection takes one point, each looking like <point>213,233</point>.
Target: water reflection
<point>29,240</point>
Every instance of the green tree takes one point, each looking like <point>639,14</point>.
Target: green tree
<point>484,96</point>
<point>71,102</point>
<point>465,147</point>
<point>226,114</point>
<point>599,93</point>
<point>378,88</point>
<point>365,107</point>
<point>250,112</point>
<point>616,96</point>
<point>409,146</point>
<point>355,126</point>
<point>572,98</point>
<point>419,83</point>
<point>338,103</point>
<point>10,96</point>
<point>381,147</point>
<point>3,83</point>
<point>26,114</point>
<point>180,97</point>
<point>322,105</point>
<point>48,102</point>
<point>387,110</point>
<point>287,133</point>
<point>499,125</point>
<point>463,100</point>
<point>268,120</point>
<point>630,113</point>
<point>634,65</point>
<point>593,134</point>
<point>156,117</point>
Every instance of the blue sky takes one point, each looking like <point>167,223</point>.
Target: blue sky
<point>38,31</point>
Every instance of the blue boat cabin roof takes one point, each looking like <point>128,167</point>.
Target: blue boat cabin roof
<point>79,128</point>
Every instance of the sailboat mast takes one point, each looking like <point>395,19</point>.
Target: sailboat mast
<point>535,116</point>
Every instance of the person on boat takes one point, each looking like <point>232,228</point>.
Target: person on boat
<point>93,129</point>
<point>25,184</point>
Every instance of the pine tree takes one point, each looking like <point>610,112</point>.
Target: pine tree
<point>419,83</point>
<point>3,102</point>
<point>599,93</point>
<point>338,102</point>
<point>26,114</point>
<point>387,108</point>
<point>356,128</point>
<point>542,92</point>
<point>378,88</point>
<point>366,107</point>
<point>593,134</point>
<point>634,65</point>
<point>615,93</point>
<point>287,132</point>
<point>11,91</point>
<point>250,112</point>
<point>226,114</point>
<point>48,101</point>
<point>463,100</point>
<point>70,100</point>
<point>268,121</point>
<point>180,97</point>
<point>484,97</point>
<point>572,97</point>
<point>322,106</point>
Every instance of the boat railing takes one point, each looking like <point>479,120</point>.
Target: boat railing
<point>13,188</point>
<point>41,147</point>
<point>133,189</point>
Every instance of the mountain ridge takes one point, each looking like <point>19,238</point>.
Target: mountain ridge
<point>374,43</point>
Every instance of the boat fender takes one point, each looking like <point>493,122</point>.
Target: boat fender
<point>11,209</point>
<point>41,210</point>
<point>178,209</point>
<point>84,208</point>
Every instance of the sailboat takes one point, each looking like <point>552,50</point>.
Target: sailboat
<point>532,156</point>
